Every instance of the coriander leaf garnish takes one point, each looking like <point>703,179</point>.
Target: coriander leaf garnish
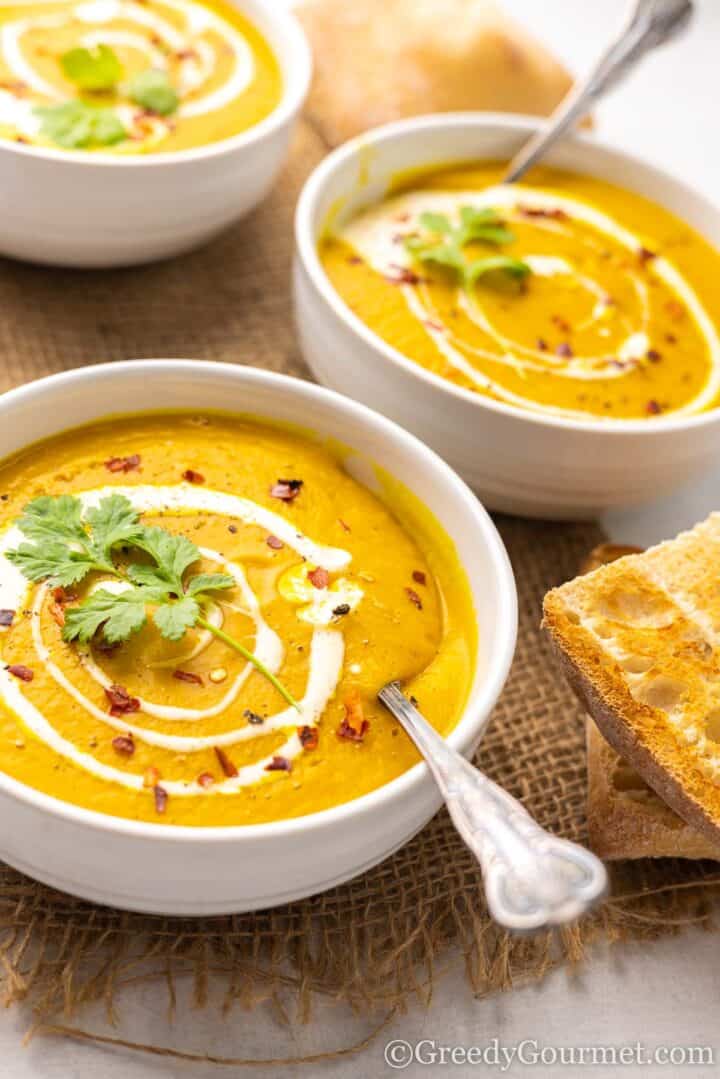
<point>443,244</point>
<point>172,619</point>
<point>504,264</point>
<point>118,613</point>
<point>65,552</point>
<point>51,562</point>
<point>53,518</point>
<point>206,582</point>
<point>92,69</point>
<point>77,125</point>
<point>113,521</point>
<point>172,556</point>
<point>153,90</point>
<point>70,546</point>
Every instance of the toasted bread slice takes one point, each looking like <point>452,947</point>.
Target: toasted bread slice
<point>626,819</point>
<point>640,643</point>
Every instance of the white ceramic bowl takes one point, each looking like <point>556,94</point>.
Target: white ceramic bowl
<point>518,461</point>
<point>73,208</point>
<point>181,870</point>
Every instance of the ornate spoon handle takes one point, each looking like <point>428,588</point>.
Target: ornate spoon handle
<point>532,878</point>
<point>649,23</point>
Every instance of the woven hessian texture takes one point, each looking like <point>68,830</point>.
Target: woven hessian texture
<point>378,941</point>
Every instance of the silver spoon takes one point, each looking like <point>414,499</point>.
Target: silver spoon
<point>532,879</point>
<point>649,23</point>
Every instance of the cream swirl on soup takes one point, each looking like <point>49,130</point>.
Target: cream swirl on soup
<point>324,666</point>
<point>216,72</point>
<point>595,317</point>
<point>197,613</point>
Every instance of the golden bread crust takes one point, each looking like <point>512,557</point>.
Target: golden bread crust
<point>639,641</point>
<point>387,59</point>
<point>626,819</point>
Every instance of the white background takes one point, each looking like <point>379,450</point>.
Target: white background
<point>663,993</point>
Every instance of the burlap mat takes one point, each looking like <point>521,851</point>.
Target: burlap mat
<point>381,939</point>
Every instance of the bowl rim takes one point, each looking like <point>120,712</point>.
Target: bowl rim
<point>482,699</point>
<point>307,253</point>
<point>296,71</point>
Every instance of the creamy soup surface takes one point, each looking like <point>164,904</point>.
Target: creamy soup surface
<point>131,76</point>
<point>123,692</point>
<point>562,294</point>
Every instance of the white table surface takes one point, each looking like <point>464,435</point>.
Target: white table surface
<point>664,993</point>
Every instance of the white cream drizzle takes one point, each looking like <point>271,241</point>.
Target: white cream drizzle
<point>195,69</point>
<point>373,233</point>
<point>325,660</point>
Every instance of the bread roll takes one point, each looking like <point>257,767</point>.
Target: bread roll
<point>383,60</point>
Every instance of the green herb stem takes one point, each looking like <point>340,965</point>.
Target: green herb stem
<point>258,664</point>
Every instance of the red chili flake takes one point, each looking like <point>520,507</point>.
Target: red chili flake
<point>341,609</point>
<point>57,612</point>
<point>319,578</point>
<point>309,737</point>
<point>21,671</point>
<point>123,464</point>
<point>555,214</point>
<point>121,703</point>
<point>414,598</point>
<point>401,275</point>
<point>541,344</point>
<point>275,543</point>
<point>564,350</point>
<point>151,776</point>
<point>232,528</point>
<point>124,744</point>
<point>653,355</point>
<point>161,799</point>
<point>188,676</point>
<point>345,527</point>
<point>253,717</point>
<point>354,260</point>
<point>404,216</point>
<point>675,310</point>
<point>432,325</point>
<point>279,764</point>
<point>6,616</point>
<point>354,726</point>
<point>226,764</point>
<point>646,255</point>
<point>671,338</point>
<point>14,86</point>
<point>286,490</point>
<point>419,577</point>
<point>205,780</point>
<point>186,54</point>
<point>192,476</point>
<point>653,407</point>
<point>62,595</point>
<point>561,323</point>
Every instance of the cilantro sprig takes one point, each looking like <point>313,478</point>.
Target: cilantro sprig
<point>66,548</point>
<point>153,90</point>
<point>443,243</point>
<point>76,125</point>
<point>81,124</point>
<point>68,545</point>
<point>94,69</point>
